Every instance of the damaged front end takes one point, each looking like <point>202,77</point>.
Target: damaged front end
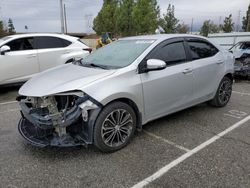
<point>63,120</point>
<point>242,66</point>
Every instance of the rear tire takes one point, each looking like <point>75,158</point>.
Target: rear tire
<point>114,127</point>
<point>223,93</point>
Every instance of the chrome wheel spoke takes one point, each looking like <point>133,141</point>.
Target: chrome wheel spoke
<point>225,92</point>
<point>111,122</point>
<point>124,130</point>
<point>107,132</point>
<point>127,119</point>
<point>110,137</point>
<point>112,118</point>
<point>120,137</point>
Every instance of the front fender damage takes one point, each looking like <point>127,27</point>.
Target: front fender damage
<point>62,121</point>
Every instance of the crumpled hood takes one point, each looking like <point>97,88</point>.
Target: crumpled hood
<point>62,79</point>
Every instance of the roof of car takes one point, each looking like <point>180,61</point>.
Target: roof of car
<point>43,34</point>
<point>160,37</point>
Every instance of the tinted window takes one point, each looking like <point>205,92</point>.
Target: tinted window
<point>21,44</point>
<point>51,42</point>
<point>170,53</point>
<point>201,49</point>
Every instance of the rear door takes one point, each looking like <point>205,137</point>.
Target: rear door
<point>208,67</point>
<point>51,51</point>
<point>171,89</point>
<point>20,63</point>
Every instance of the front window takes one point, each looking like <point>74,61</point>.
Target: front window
<point>118,54</point>
<point>21,44</point>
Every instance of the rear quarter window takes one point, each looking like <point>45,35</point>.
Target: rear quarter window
<point>202,49</point>
<point>51,42</point>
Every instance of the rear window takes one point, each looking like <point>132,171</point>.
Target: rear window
<point>51,42</point>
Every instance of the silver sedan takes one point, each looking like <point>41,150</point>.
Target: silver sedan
<point>103,98</point>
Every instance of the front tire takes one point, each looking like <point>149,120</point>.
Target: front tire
<point>223,93</point>
<point>114,127</point>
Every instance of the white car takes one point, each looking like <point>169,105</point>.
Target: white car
<point>22,56</point>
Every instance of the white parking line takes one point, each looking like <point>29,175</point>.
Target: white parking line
<point>166,141</point>
<point>182,158</point>
<point>236,92</point>
<point>10,102</point>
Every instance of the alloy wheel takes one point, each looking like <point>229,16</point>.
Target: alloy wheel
<point>117,128</point>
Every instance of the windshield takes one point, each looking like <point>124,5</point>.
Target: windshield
<point>118,54</point>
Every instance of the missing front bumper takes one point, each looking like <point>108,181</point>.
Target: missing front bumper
<point>47,137</point>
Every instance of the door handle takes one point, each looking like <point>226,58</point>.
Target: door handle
<point>188,70</point>
<point>220,62</point>
<point>32,56</point>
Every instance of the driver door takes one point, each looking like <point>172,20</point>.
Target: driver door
<point>21,63</point>
<point>169,90</point>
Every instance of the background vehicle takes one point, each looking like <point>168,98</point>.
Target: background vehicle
<point>103,98</point>
<point>23,56</point>
<point>227,40</point>
<point>241,53</point>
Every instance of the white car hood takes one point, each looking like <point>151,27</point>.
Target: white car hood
<point>62,79</point>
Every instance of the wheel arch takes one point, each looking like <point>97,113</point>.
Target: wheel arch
<point>229,75</point>
<point>132,104</point>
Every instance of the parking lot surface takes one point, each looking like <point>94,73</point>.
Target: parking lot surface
<point>163,144</point>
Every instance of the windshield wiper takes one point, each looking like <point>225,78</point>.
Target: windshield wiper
<point>96,65</point>
<point>87,64</point>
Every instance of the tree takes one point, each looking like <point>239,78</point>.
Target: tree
<point>3,31</point>
<point>209,27</point>
<point>11,28</point>
<point>145,17</point>
<point>228,24</point>
<point>246,21</point>
<point>182,28</point>
<point>106,18</point>
<point>169,22</point>
<point>124,20</point>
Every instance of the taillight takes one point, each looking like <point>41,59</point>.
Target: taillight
<point>88,49</point>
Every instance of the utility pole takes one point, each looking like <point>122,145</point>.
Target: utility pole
<point>238,22</point>
<point>192,24</point>
<point>65,19</point>
<point>61,15</point>
<point>88,18</point>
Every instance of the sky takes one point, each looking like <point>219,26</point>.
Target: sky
<point>44,15</point>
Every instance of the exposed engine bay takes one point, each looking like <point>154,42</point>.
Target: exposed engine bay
<point>60,120</point>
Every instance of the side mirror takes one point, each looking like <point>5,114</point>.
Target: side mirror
<point>155,64</point>
<point>4,49</point>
